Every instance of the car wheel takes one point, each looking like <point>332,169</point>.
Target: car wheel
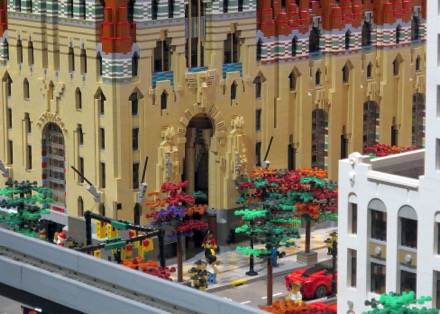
<point>320,292</point>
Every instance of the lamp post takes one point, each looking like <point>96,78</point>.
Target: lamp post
<point>332,249</point>
<point>251,271</point>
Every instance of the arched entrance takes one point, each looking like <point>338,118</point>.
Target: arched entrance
<point>198,140</point>
<point>196,170</point>
<point>54,165</point>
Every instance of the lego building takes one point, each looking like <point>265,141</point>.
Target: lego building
<point>200,87</point>
<point>389,218</point>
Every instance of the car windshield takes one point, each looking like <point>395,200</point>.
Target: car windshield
<point>313,270</point>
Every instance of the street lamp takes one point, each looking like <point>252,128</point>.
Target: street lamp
<point>332,249</point>
<point>251,271</point>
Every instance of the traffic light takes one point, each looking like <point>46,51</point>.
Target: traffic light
<point>127,252</point>
<point>97,253</point>
<point>145,247</point>
<point>100,230</point>
<point>111,231</point>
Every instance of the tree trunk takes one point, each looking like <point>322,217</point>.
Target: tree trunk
<point>269,281</point>
<point>308,231</point>
<point>179,259</point>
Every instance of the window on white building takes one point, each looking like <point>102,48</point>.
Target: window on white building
<point>378,225</point>
<point>408,232</point>
<point>408,281</point>
<point>378,278</point>
<point>352,268</point>
<point>352,216</point>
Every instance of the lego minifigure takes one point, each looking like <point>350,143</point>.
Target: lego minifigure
<point>61,239</point>
<point>295,293</point>
<point>43,234</point>
<point>210,245</point>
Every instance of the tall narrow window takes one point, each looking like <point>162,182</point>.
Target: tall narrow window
<point>225,6</point>
<point>28,123</point>
<point>8,85</point>
<point>101,102</point>
<point>294,46</point>
<point>369,70</point>
<point>240,5</point>
<point>78,99</point>
<point>101,209</point>
<point>99,64</point>
<point>81,169</point>
<point>398,34</point>
<point>69,8</point>
<point>257,82</point>
<point>408,281</point>
<point>82,9</point>
<point>231,48</point>
<point>130,10</point>
<point>315,33</point>
<point>28,157</point>
<point>134,64</point>
<point>378,225</point>
<point>80,135</point>
<point>258,154</point>
<point>136,175</point>
<point>162,56</point>
<point>408,232</point>
<point>83,61</point>
<point>258,120</point>
<point>418,117</point>
<point>102,138</point>
<point>19,51</point>
<point>103,175</point>
<point>9,118</point>
<point>30,53</point>
<point>80,207</point>
<point>71,57</point>
<point>369,124</point>
<point>352,267</point>
<point>378,278</point>
<point>366,34</point>
<point>26,89</point>
<point>318,77</point>
<point>319,125</point>
<point>418,67</point>
<point>154,9</point>
<point>170,9</point>
<point>18,5</point>
<point>10,152</point>
<point>135,138</point>
<point>292,81</point>
<point>6,49</point>
<point>345,73</point>
<point>134,104</point>
<point>415,28</point>
<point>347,40</point>
<point>50,91</point>
<point>233,91</point>
<point>259,49</point>
<point>164,100</point>
<point>396,65</point>
<point>353,214</point>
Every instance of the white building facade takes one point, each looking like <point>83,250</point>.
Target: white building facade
<point>389,209</point>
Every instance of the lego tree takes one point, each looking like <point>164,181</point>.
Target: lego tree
<point>269,217</point>
<point>309,191</point>
<point>398,304</point>
<point>382,150</point>
<point>22,199</point>
<point>173,207</point>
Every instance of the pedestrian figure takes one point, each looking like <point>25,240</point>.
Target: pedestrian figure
<point>210,245</point>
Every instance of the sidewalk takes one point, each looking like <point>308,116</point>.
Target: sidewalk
<point>234,264</point>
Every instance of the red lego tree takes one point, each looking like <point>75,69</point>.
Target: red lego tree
<point>382,150</point>
<point>173,207</point>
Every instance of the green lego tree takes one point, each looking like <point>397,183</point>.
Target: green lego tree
<point>392,303</point>
<point>22,199</point>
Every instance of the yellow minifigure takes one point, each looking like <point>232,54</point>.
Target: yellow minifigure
<point>295,292</point>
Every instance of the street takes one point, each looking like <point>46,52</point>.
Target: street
<point>8,306</point>
<point>254,293</point>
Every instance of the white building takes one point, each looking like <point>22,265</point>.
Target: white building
<point>389,209</point>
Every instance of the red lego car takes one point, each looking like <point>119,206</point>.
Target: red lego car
<point>316,281</point>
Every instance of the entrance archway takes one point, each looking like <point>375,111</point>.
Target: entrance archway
<point>54,165</point>
<point>198,140</point>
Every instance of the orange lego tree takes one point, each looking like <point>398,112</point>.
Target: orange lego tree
<point>171,206</point>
